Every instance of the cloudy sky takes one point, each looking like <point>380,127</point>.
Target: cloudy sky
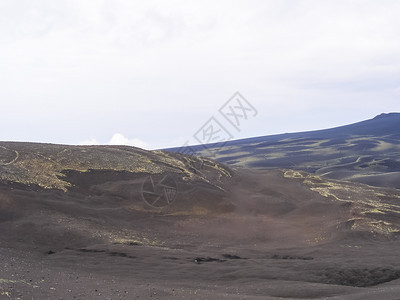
<point>152,73</point>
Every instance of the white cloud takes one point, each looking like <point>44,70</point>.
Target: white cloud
<point>118,139</point>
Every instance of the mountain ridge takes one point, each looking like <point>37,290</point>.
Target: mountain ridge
<point>367,151</point>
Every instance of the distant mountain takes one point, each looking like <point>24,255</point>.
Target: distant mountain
<point>366,152</point>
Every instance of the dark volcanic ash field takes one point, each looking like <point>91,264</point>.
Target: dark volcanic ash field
<point>114,222</point>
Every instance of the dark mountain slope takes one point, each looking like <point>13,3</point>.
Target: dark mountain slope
<point>366,152</point>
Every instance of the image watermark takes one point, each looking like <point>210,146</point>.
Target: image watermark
<point>159,191</point>
<point>237,109</point>
<point>213,134</point>
<point>186,149</point>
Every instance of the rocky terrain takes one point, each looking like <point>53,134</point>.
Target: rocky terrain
<point>366,152</point>
<point>115,222</point>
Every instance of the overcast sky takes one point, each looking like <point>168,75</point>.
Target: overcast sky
<point>152,73</point>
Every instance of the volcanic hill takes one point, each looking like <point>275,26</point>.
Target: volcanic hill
<point>118,222</point>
